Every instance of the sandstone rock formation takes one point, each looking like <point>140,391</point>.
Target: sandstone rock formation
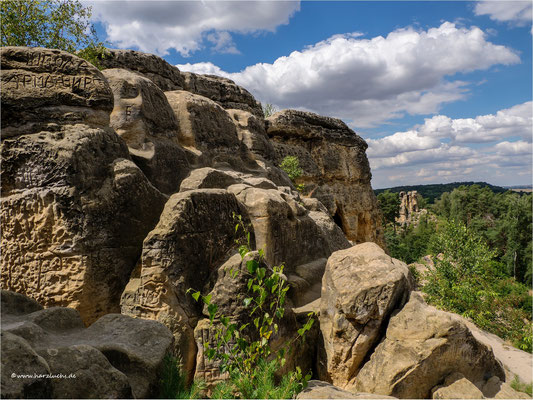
<point>116,357</point>
<point>361,287</point>
<point>168,77</point>
<point>223,91</point>
<point>69,192</point>
<point>323,390</point>
<point>208,132</point>
<point>42,88</point>
<point>279,222</point>
<point>144,119</point>
<point>195,233</point>
<point>335,168</point>
<point>421,348</point>
<point>89,160</point>
<point>164,75</point>
<point>456,386</point>
<point>410,212</point>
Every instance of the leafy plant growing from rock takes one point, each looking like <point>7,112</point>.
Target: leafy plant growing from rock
<point>291,166</point>
<point>269,109</point>
<point>245,352</point>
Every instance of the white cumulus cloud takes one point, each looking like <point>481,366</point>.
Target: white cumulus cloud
<point>516,12</point>
<point>369,81</point>
<point>187,26</point>
<point>496,148</point>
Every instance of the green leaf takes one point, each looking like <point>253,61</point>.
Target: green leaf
<point>261,273</point>
<point>207,299</point>
<point>195,295</point>
<point>243,250</point>
<point>251,266</point>
<point>247,301</point>
<point>256,322</point>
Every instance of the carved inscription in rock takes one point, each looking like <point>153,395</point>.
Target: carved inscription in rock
<point>18,81</point>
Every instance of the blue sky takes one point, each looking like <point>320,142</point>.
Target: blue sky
<point>441,91</point>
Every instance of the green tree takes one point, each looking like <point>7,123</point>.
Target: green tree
<point>54,24</point>
<point>467,279</point>
<point>389,204</point>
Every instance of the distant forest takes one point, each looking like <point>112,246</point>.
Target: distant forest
<point>434,191</point>
<point>476,242</point>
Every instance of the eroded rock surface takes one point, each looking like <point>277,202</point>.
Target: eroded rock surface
<point>323,390</point>
<point>42,88</point>
<point>223,91</point>
<point>144,119</point>
<point>421,348</point>
<point>361,287</point>
<point>164,75</point>
<point>116,357</point>
<point>194,236</point>
<point>68,197</point>
<point>335,168</point>
<point>208,132</point>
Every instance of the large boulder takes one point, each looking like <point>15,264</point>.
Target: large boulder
<point>223,91</point>
<point>251,131</point>
<point>168,77</point>
<point>361,287</point>
<point>323,390</point>
<point>164,75</point>
<point>279,222</point>
<point>42,88</point>
<point>144,119</point>
<point>208,132</point>
<point>335,169</point>
<point>195,233</point>
<point>70,191</point>
<point>116,357</point>
<point>456,386</point>
<point>421,348</point>
<point>67,199</point>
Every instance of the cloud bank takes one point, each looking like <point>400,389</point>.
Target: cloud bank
<point>187,26</point>
<point>371,81</point>
<point>438,150</point>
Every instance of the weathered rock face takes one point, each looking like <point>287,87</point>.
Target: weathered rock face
<point>164,75</point>
<point>336,170</point>
<point>68,196</point>
<point>42,88</point>
<point>456,386</point>
<point>223,91</point>
<point>421,348</point>
<point>495,388</point>
<point>195,232</point>
<point>208,132</point>
<point>279,222</point>
<point>251,131</point>
<point>144,119</point>
<point>361,287</point>
<point>168,77</point>
<point>410,213</point>
<point>67,199</point>
<point>116,357</point>
<point>323,390</point>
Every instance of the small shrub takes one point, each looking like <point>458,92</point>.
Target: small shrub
<point>291,166</point>
<point>269,109</point>
<point>520,386</point>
